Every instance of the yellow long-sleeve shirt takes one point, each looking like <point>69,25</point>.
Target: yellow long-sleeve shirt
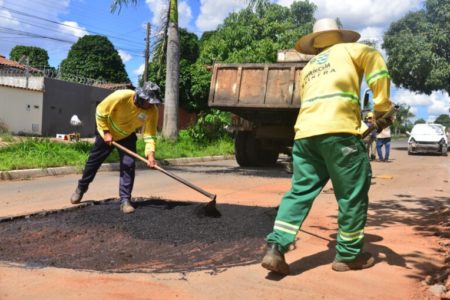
<point>330,87</point>
<point>118,114</point>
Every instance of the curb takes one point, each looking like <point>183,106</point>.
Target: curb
<point>107,167</point>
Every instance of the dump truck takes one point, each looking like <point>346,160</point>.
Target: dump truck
<point>264,100</point>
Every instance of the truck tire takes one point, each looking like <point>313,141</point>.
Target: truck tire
<point>249,152</point>
<point>240,146</point>
<point>268,157</point>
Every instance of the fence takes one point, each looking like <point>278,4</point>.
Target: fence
<point>34,78</point>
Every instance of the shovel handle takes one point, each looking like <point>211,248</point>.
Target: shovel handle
<point>170,174</point>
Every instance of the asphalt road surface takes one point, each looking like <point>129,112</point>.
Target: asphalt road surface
<point>407,231</point>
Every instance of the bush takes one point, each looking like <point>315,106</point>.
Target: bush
<point>3,127</point>
<point>210,127</point>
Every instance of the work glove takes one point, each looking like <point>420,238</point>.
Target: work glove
<point>380,122</point>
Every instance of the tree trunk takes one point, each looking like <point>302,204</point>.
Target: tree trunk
<point>170,124</point>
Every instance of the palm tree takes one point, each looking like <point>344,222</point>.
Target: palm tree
<point>255,4</point>
<point>172,40</point>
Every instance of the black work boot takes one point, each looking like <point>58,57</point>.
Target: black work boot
<point>126,207</point>
<point>274,260</point>
<point>364,260</point>
<point>77,196</point>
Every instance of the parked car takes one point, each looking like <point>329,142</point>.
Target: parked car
<point>428,138</point>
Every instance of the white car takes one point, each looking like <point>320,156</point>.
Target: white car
<point>428,138</point>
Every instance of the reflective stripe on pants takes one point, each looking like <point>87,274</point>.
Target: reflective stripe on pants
<point>343,159</point>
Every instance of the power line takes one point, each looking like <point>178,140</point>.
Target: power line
<point>30,34</point>
<point>41,36</point>
<point>62,24</point>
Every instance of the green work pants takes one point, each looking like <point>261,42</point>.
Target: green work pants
<point>343,159</point>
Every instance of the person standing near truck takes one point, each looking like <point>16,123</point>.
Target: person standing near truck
<point>384,139</point>
<point>371,139</point>
<point>328,143</point>
<point>118,117</point>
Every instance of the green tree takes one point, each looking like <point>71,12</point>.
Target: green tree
<point>94,56</point>
<point>171,40</point>
<point>402,121</point>
<point>252,35</point>
<point>444,120</point>
<point>256,35</point>
<point>36,57</point>
<point>189,52</point>
<point>420,121</point>
<point>417,46</point>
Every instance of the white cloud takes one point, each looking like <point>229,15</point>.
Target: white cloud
<point>11,16</point>
<point>7,19</point>
<point>139,71</point>
<point>431,118</point>
<point>414,111</point>
<point>72,28</point>
<point>159,11</point>
<point>439,105</point>
<point>372,33</point>
<point>213,12</point>
<point>125,56</point>
<point>158,8</point>
<point>435,104</point>
<point>362,13</point>
<point>411,98</point>
<point>184,14</point>
<point>369,17</point>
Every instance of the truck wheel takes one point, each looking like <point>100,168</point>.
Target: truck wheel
<point>240,146</point>
<point>257,155</point>
<point>249,153</point>
<point>253,151</point>
<point>268,157</point>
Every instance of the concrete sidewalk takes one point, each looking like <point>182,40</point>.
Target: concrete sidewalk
<point>33,173</point>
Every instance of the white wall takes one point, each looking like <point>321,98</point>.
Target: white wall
<point>21,110</point>
<point>30,82</point>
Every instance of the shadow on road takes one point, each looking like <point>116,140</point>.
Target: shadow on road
<point>423,214</point>
<point>427,216</point>
<point>277,171</point>
<point>326,257</point>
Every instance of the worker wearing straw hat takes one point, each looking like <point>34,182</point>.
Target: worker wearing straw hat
<point>328,143</point>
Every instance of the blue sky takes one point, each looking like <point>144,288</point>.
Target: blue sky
<point>67,20</point>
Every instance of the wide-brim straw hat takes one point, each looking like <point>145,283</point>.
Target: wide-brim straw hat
<point>306,43</point>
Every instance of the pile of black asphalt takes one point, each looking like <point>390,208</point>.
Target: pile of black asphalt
<point>160,236</point>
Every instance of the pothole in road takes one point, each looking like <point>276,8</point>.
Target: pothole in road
<point>161,236</point>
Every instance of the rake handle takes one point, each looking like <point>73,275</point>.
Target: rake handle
<point>388,114</point>
<point>170,174</point>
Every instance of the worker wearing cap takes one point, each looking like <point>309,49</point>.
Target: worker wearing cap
<point>118,117</point>
<point>328,143</point>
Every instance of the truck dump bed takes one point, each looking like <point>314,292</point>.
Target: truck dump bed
<point>255,90</point>
<point>265,99</point>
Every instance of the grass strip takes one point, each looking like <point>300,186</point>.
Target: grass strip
<point>31,153</point>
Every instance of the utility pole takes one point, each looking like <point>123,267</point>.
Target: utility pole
<point>147,53</point>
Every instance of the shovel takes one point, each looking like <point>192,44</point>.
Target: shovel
<point>208,210</point>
